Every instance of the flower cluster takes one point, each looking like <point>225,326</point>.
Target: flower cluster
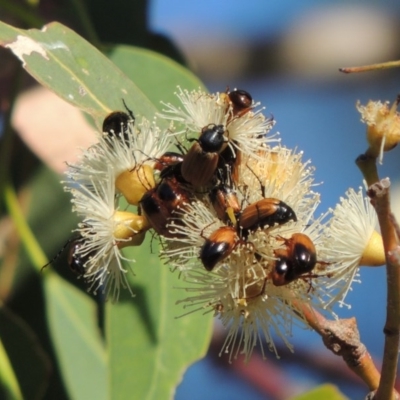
<point>234,210</point>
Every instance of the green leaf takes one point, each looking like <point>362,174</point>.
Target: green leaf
<point>149,348</point>
<point>64,62</point>
<point>72,318</point>
<point>326,392</point>
<point>19,351</point>
<point>156,75</point>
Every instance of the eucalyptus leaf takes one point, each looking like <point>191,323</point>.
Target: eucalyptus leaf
<point>67,64</point>
<point>23,350</point>
<point>72,319</point>
<point>156,75</point>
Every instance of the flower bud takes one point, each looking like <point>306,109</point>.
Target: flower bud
<point>129,228</point>
<point>135,183</point>
<point>374,253</point>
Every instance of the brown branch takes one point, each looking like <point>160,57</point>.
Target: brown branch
<point>343,339</point>
<point>372,67</point>
<point>379,194</point>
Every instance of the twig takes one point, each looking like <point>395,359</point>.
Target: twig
<point>342,338</point>
<point>379,194</point>
<point>372,67</point>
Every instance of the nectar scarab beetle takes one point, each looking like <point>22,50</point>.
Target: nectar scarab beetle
<point>201,161</point>
<point>116,123</point>
<point>241,101</point>
<point>298,258</point>
<point>265,213</point>
<point>160,203</point>
<point>225,203</point>
<point>212,138</point>
<point>168,159</point>
<point>76,261</point>
<point>218,246</point>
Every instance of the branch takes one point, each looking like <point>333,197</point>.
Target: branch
<point>379,194</point>
<point>343,339</point>
<point>372,67</point>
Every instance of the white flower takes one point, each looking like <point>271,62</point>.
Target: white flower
<point>240,288</point>
<point>281,174</point>
<point>128,156</point>
<point>251,311</point>
<point>199,109</point>
<point>104,231</point>
<point>349,241</point>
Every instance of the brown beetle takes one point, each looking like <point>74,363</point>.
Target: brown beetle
<point>160,203</point>
<point>167,160</point>
<point>201,161</point>
<point>298,258</point>
<point>263,213</point>
<point>241,102</point>
<point>225,203</point>
<point>218,246</point>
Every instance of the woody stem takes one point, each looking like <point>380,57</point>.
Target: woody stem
<point>379,194</point>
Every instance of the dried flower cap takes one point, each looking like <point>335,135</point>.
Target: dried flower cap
<point>383,126</point>
<point>348,242</point>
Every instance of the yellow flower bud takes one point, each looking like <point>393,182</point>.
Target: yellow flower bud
<point>374,253</point>
<point>135,183</point>
<point>129,228</point>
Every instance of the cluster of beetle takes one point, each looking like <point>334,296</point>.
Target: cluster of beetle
<point>211,165</point>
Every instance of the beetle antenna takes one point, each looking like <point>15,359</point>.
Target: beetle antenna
<point>129,110</point>
<point>58,254</point>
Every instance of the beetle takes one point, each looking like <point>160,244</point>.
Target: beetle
<point>159,204</point>
<point>265,212</point>
<point>299,257</point>
<point>118,123</point>
<point>241,102</point>
<point>229,161</point>
<point>225,203</point>
<point>218,246</point>
<point>201,161</point>
<point>76,262</point>
<point>168,159</point>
